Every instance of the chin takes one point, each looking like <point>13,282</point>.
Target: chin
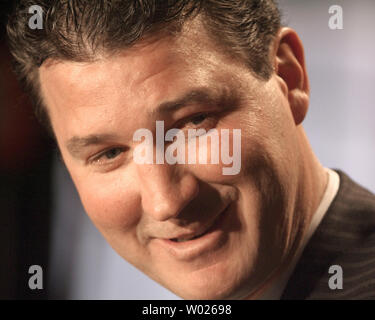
<point>211,291</point>
<point>213,283</point>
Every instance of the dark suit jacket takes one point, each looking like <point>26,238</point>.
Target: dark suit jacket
<point>345,237</point>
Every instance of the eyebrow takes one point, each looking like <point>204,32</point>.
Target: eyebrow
<point>197,95</point>
<point>75,145</point>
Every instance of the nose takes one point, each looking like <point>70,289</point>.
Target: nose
<point>165,190</point>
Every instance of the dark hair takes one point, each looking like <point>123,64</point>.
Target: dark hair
<point>77,29</point>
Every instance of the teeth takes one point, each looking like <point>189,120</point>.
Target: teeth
<point>183,240</point>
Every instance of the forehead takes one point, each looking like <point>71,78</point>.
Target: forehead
<point>107,76</point>
<point>190,47</point>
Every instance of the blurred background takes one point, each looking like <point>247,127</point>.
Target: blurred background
<point>43,223</point>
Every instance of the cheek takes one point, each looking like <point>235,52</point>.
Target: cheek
<point>109,202</point>
<point>217,156</point>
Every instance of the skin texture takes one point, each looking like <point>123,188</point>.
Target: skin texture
<point>269,203</point>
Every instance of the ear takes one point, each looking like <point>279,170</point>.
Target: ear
<point>289,65</point>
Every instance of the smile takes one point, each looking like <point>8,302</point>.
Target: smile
<point>183,239</point>
<point>193,246</point>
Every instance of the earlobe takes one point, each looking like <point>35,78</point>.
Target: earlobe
<point>291,71</point>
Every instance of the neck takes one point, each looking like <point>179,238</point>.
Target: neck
<point>313,178</point>
<point>311,184</point>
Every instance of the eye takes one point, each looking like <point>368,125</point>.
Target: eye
<point>112,153</point>
<point>107,156</point>
<point>196,120</point>
<point>202,120</point>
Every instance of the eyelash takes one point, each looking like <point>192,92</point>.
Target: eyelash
<point>96,159</point>
<point>207,117</point>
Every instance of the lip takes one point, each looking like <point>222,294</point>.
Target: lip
<point>192,249</point>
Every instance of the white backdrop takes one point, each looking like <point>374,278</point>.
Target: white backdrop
<point>340,125</point>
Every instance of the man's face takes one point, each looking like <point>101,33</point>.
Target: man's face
<point>246,219</point>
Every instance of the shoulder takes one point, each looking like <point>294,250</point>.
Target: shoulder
<point>354,200</point>
<point>351,215</point>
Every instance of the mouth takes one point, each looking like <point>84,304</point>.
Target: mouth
<point>187,239</point>
<point>191,246</point>
<point>192,236</point>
